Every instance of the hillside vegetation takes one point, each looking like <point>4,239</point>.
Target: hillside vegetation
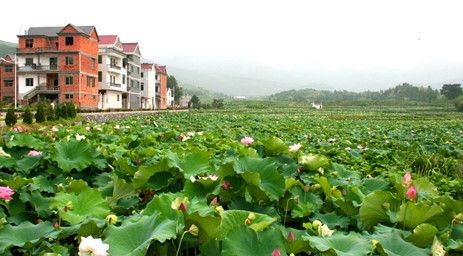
<point>7,48</point>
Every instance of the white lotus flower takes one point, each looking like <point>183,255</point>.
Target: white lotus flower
<point>90,246</point>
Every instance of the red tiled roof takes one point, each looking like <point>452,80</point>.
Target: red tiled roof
<point>161,69</point>
<point>129,47</point>
<point>108,39</point>
<point>147,65</point>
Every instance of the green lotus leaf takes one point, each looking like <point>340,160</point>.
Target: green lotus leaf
<point>38,201</point>
<point>90,228</point>
<point>412,214</point>
<point>25,140</point>
<point>121,190</point>
<point>161,204</point>
<point>28,163</point>
<point>275,146</point>
<point>376,183</point>
<point>201,188</point>
<point>135,234</point>
<point>208,226</point>
<point>233,219</point>
<point>262,174</point>
<point>423,235</point>
<point>145,172</point>
<point>378,207</point>
<point>17,182</point>
<point>26,235</point>
<point>332,219</point>
<point>297,245</point>
<point>303,209</point>
<point>392,244</point>
<point>76,207</point>
<point>339,244</point>
<point>193,164</point>
<point>7,162</point>
<point>312,162</point>
<point>245,241</point>
<point>73,155</point>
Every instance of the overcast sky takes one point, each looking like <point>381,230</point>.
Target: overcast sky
<point>356,34</point>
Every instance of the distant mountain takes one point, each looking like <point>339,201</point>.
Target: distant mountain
<point>7,48</point>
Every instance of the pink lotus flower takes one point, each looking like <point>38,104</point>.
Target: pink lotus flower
<point>226,185</point>
<point>411,193</point>
<point>295,147</point>
<point>276,252</point>
<point>290,237</point>
<point>35,153</point>
<point>90,246</point>
<point>5,193</point>
<point>247,141</point>
<point>407,180</point>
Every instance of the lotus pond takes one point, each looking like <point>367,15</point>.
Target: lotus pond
<point>240,181</point>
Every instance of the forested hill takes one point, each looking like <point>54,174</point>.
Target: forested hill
<point>7,48</point>
<point>400,92</point>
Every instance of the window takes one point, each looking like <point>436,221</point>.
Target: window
<point>8,83</point>
<point>131,68</point>
<point>138,84</point>
<point>88,81</point>
<point>142,86</point>
<point>8,99</point>
<point>123,79</point>
<point>118,97</point>
<point>131,83</point>
<point>100,76</point>
<point>69,60</point>
<point>30,43</point>
<point>141,75</point>
<point>29,81</point>
<point>93,82</point>
<point>138,70</point>
<point>29,61</point>
<point>94,97</point>
<point>100,59</point>
<point>69,80</point>
<point>8,68</point>
<point>69,40</point>
<point>93,62</point>
<point>69,96</point>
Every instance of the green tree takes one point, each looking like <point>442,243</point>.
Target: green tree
<point>195,101</point>
<point>459,103</point>
<point>217,103</point>
<point>40,114</point>
<point>11,118</point>
<point>451,91</point>
<point>27,118</point>
<point>176,89</point>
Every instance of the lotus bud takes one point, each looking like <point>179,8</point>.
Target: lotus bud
<point>316,224</point>
<point>290,237</point>
<point>69,205</point>
<point>111,219</point>
<point>194,230</point>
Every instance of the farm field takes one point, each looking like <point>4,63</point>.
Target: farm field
<point>251,179</point>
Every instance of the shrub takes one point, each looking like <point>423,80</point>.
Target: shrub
<point>11,118</point>
<point>459,103</point>
<point>27,118</point>
<point>40,115</point>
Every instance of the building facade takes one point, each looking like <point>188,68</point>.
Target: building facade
<point>161,87</point>
<point>112,73</point>
<point>148,86</point>
<point>59,64</point>
<point>132,50</point>
<point>7,79</point>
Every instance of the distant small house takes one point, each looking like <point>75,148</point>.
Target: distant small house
<point>184,101</point>
<point>240,97</point>
<point>317,105</point>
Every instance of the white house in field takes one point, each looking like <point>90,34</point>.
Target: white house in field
<point>170,97</point>
<point>317,105</point>
<point>112,73</point>
<point>148,86</point>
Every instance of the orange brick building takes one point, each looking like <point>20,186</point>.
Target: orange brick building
<point>7,79</point>
<point>161,87</point>
<point>60,64</point>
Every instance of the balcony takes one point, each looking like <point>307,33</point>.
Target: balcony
<point>37,49</point>
<point>37,67</point>
<point>42,89</point>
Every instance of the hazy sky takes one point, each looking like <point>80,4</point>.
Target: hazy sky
<point>336,34</point>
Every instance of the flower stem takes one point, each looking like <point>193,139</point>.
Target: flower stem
<point>286,211</point>
<point>180,244</point>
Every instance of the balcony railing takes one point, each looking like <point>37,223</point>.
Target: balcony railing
<point>113,85</point>
<point>114,66</point>
<point>37,67</point>
<point>41,89</point>
<point>38,49</point>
